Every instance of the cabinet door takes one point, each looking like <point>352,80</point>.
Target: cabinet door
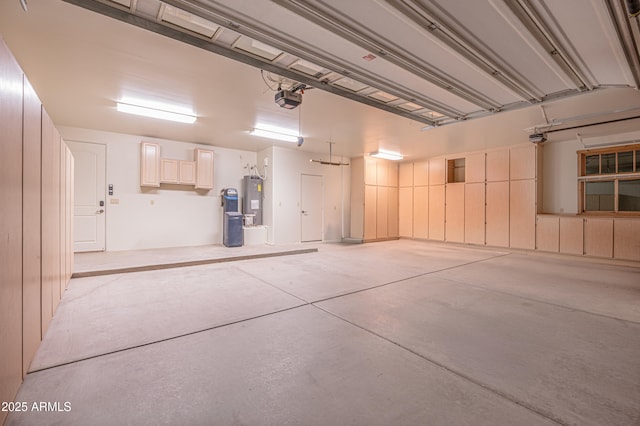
<point>405,212</point>
<point>405,174</point>
<point>393,220</point>
<point>168,170</point>
<point>497,165</point>
<point>436,212</point>
<point>522,162</point>
<point>522,214</point>
<point>31,226</point>
<point>421,212</point>
<point>548,233</point>
<point>204,169</point>
<point>149,164</point>
<point>474,213</point>
<point>598,237</point>
<point>370,171</point>
<point>626,238</point>
<point>497,211</point>
<point>421,173</point>
<point>474,167</point>
<point>437,171</point>
<point>392,174</point>
<point>370,207</point>
<point>187,172</point>
<point>572,235</point>
<point>10,226</point>
<point>382,212</point>
<point>382,173</point>
<point>454,212</point>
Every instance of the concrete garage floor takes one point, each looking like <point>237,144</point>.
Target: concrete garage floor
<point>394,333</point>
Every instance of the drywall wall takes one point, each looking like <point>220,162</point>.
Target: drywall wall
<point>265,166</point>
<point>559,177</point>
<point>169,216</point>
<point>560,161</point>
<point>283,194</point>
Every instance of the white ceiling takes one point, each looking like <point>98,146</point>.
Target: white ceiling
<point>442,62</point>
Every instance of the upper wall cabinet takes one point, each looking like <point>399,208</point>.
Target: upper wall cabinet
<point>155,170</point>
<point>204,169</point>
<point>149,164</point>
<point>177,171</point>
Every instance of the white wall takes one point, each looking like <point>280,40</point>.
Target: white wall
<point>170,216</point>
<point>559,177</point>
<point>283,194</point>
<point>560,161</point>
<point>267,192</point>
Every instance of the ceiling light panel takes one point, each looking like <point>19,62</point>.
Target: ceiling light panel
<point>350,84</point>
<point>410,106</point>
<point>387,155</point>
<point>125,3</point>
<point>432,114</point>
<point>188,21</point>
<point>309,68</point>
<point>257,48</point>
<point>383,97</point>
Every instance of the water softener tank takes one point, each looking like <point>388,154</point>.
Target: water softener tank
<point>229,200</point>
<point>232,234</point>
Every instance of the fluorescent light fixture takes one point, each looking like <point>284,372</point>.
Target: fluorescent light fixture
<point>273,135</point>
<point>275,132</point>
<point>387,155</point>
<point>155,112</point>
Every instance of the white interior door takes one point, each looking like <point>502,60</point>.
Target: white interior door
<point>89,196</point>
<point>311,204</point>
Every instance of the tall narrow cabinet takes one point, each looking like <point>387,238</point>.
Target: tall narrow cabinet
<point>374,199</point>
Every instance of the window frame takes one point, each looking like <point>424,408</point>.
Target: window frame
<point>616,177</point>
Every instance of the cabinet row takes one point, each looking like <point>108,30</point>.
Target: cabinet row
<point>617,238</point>
<point>155,170</point>
<point>380,172</point>
<point>514,163</point>
<point>36,250</point>
<point>500,214</point>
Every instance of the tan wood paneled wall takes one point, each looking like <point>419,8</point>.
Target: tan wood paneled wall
<point>495,205</point>
<point>36,171</point>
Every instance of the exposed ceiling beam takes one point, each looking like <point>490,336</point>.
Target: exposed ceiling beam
<point>150,25</point>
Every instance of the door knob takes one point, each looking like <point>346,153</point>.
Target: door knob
<point>100,211</point>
